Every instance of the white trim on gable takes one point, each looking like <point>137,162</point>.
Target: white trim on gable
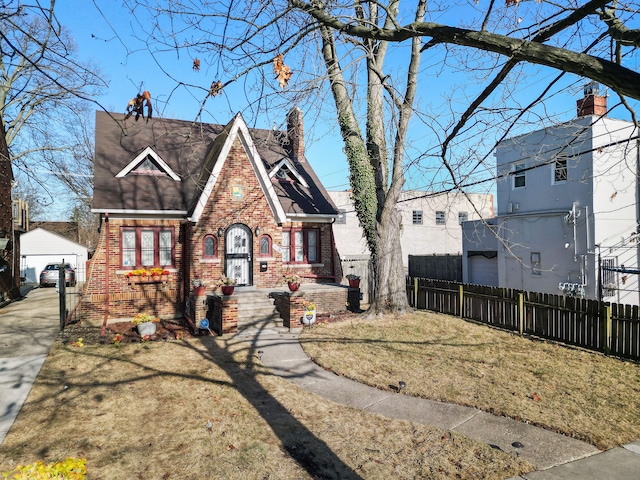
<point>240,130</point>
<point>148,152</point>
<point>286,162</point>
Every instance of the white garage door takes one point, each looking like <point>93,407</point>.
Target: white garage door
<point>483,270</point>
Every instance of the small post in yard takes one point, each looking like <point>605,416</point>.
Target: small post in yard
<point>521,313</point>
<point>607,329</point>
<point>461,295</point>
<point>415,293</point>
<point>62,294</point>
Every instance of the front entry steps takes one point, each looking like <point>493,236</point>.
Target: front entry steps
<point>257,312</point>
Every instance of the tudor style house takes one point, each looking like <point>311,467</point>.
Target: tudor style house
<point>200,201</point>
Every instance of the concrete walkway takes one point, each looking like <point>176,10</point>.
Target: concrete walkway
<point>553,455</point>
<point>28,328</point>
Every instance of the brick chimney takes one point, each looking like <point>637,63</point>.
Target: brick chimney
<point>593,103</point>
<point>295,133</point>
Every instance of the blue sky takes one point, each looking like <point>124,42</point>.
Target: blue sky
<point>103,34</point>
<point>128,68</point>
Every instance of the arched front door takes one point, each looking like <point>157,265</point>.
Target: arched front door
<point>237,254</point>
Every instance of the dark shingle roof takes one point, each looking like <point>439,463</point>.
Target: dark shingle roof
<point>190,150</point>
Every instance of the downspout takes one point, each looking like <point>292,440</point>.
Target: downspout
<point>333,254</point>
<point>585,276</point>
<point>186,272</point>
<point>575,232</point>
<point>638,203</point>
<point>106,275</point>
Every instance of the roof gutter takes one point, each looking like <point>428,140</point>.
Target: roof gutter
<point>333,254</point>
<point>311,218</point>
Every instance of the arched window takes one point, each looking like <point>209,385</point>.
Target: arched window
<point>265,246</point>
<point>209,247</point>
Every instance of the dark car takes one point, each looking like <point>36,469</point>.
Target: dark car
<point>51,274</point>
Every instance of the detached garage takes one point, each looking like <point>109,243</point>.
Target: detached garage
<point>39,247</point>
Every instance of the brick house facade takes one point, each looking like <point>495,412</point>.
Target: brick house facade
<point>202,201</point>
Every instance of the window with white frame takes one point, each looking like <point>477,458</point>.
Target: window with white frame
<point>560,170</point>
<point>146,247</point>
<point>300,245</point>
<point>441,218</point>
<point>535,263</point>
<point>463,217</point>
<point>519,175</point>
<point>417,217</point>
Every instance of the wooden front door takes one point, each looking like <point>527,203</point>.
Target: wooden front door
<point>238,251</point>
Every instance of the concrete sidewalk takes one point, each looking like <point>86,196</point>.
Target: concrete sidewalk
<point>553,455</point>
<point>28,328</point>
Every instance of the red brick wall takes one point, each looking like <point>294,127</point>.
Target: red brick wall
<point>125,299</point>
<point>223,210</point>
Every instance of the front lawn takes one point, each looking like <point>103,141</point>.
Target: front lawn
<point>582,394</point>
<point>206,408</point>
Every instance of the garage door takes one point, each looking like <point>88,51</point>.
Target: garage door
<point>483,270</point>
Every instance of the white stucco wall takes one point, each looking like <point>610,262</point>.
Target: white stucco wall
<point>427,238</point>
<point>569,223</point>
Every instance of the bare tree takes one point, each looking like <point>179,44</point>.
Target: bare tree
<point>45,90</point>
<point>486,53</point>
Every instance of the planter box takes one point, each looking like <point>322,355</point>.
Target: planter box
<point>154,279</point>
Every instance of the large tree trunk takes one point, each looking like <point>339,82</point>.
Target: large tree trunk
<point>376,209</point>
<point>389,276</point>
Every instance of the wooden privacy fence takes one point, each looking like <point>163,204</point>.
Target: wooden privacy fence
<point>613,329</point>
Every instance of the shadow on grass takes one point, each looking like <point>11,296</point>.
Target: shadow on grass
<point>310,452</point>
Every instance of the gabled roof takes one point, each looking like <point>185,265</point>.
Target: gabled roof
<point>216,159</point>
<point>192,155</point>
<point>144,157</point>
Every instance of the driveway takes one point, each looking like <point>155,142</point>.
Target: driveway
<point>28,328</point>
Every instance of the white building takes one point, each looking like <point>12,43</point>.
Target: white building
<point>39,247</point>
<point>567,201</point>
<point>430,222</point>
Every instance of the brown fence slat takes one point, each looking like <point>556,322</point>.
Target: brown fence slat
<point>564,319</point>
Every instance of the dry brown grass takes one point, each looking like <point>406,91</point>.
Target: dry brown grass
<point>206,408</point>
<point>578,393</point>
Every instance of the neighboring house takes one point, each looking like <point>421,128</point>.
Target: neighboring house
<point>40,246</point>
<point>567,200</point>
<point>66,229</point>
<point>202,200</point>
<point>430,222</point>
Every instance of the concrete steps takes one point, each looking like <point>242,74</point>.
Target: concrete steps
<point>257,312</point>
